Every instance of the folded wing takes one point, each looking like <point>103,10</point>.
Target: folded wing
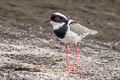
<point>80,30</point>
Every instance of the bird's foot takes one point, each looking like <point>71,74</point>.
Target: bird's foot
<point>67,68</point>
<point>72,69</point>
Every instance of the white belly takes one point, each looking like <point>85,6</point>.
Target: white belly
<point>70,37</point>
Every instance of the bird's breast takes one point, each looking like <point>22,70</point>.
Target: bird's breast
<point>61,32</point>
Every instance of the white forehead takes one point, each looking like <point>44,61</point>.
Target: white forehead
<point>57,13</point>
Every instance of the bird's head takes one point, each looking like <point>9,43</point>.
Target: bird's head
<point>57,20</point>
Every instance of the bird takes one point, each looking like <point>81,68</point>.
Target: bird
<point>69,32</point>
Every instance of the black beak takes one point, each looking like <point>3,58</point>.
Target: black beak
<point>44,21</point>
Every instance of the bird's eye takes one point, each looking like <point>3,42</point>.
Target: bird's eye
<point>57,18</point>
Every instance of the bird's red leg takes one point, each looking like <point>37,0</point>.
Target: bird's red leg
<point>67,67</point>
<point>76,52</point>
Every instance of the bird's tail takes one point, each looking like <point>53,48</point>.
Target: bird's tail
<point>89,32</point>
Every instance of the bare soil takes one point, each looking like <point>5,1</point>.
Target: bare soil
<point>29,49</point>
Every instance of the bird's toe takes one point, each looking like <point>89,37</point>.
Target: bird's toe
<point>67,68</point>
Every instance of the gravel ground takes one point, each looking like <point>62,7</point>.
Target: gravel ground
<point>29,49</point>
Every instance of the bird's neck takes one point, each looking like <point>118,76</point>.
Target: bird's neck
<point>71,21</point>
<point>57,26</point>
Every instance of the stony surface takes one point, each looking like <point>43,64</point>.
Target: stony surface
<point>30,51</point>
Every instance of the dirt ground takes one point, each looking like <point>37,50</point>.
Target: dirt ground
<point>29,49</point>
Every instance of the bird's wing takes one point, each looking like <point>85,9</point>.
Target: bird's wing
<point>80,30</point>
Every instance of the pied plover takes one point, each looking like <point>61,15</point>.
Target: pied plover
<point>69,31</point>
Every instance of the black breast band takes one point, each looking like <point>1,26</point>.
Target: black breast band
<point>61,32</point>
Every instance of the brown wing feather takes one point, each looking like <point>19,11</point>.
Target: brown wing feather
<point>79,29</point>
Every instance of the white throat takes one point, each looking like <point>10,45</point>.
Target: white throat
<point>56,25</point>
